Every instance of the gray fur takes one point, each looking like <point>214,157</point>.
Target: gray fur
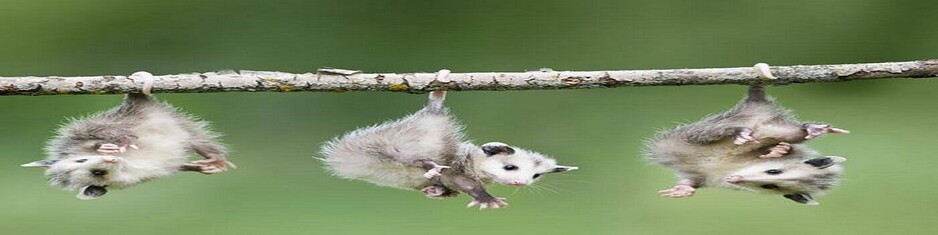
<point>162,135</point>
<point>397,154</point>
<point>703,153</point>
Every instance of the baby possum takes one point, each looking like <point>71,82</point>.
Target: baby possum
<point>755,146</point>
<point>139,140</point>
<point>426,151</point>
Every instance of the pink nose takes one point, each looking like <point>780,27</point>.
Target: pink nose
<point>733,179</point>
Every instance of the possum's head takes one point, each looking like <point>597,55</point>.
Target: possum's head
<point>795,180</point>
<point>514,166</point>
<point>88,174</point>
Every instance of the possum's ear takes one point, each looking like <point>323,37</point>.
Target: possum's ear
<point>802,198</point>
<point>40,163</point>
<point>497,148</point>
<point>563,169</point>
<point>825,162</point>
<point>91,192</point>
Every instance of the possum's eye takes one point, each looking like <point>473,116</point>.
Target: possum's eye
<point>81,160</point>
<point>510,167</point>
<point>536,175</point>
<point>98,172</point>
<point>773,171</point>
<point>769,186</point>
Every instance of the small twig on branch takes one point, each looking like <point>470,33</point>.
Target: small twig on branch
<point>337,80</point>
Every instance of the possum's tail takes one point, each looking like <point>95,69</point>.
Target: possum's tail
<point>145,93</point>
<point>436,98</point>
<point>756,94</point>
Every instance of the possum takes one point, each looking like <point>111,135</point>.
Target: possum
<point>427,151</point>
<point>140,140</point>
<point>755,146</point>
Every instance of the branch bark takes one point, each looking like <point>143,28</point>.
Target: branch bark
<point>337,80</point>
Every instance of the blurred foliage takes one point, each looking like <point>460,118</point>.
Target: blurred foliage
<point>280,189</point>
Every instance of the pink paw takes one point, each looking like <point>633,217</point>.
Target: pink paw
<point>815,130</point>
<point>678,191</point>
<point>436,171</point>
<point>211,166</point>
<point>744,136</point>
<point>493,203</point>
<point>437,192</point>
<point>111,149</point>
<point>778,151</point>
<point>733,179</point>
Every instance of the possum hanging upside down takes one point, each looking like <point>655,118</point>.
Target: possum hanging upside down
<point>426,151</point>
<point>139,140</point>
<point>755,146</point>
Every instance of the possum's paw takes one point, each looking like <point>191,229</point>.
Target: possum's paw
<point>493,203</point>
<point>435,171</point>
<point>744,136</point>
<point>209,166</point>
<point>438,192</point>
<point>815,130</point>
<point>111,149</point>
<point>778,151</point>
<point>678,191</point>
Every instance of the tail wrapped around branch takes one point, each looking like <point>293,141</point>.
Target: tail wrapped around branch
<point>756,94</point>
<point>436,98</point>
<point>146,90</point>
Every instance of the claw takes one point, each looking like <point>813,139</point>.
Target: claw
<point>436,171</point>
<point>111,149</point>
<point>678,191</point>
<point>211,166</point>
<point>438,192</point>
<point>494,203</point>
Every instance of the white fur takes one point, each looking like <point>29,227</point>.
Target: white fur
<point>362,154</point>
<point>388,154</point>
<point>162,150</point>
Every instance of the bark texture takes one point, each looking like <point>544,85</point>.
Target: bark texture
<point>338,80</point>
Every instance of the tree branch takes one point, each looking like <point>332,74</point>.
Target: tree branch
<point>337,80</point>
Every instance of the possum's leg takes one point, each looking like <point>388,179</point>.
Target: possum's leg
<point>781,149</point>
<point>795,132</point>
<point>744,136</point>
<point>111,133</point>
<point>215,158</point>
<point>815,129</point>
<point>433,169</point>
<point>683,188</point>
<point>726,125</point>
<point>438,191</point>
<point>476,190</point>
<point>118,145</point>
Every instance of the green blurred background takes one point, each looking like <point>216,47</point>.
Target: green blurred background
<point>280,189</point>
